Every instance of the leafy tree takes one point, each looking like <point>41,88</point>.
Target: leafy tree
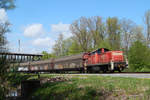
<point>46,55</point>
<point>147,23</point>
<point>138,34</point>
<point>97,28</point>
<point>7,4</point>
<point>61,47</point>
<point>67,43</point>
<point>74,48</point>
<point>127,27</point>
<point>4,28</point>
<point>105,44</point>
<point>81,34</point>
<point>4,64</point>
<point>113,31</point>
<point>139,56</point>
<point>130,33</point>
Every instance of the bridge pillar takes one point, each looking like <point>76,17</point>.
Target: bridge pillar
<point>32,58</point>
<point>23,58</point>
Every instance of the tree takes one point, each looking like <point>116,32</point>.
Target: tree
<point>138,34</point>
<point>46,55</point>
<point>4,64</point>
<point>113,32</point>
<point>74,47</point>
<point>67,43</point>
<point>7,4</point>
<point>147,23</point>
<point>4,25</point>
<point>58,48</point>
<point>139,56</point>
<point>130,33</point>
<point>4,28</point>
<point>97,28</point>
<point>127,29</point>
<point>81,33</point>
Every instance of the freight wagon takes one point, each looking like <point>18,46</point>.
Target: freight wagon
<point>99,60</point>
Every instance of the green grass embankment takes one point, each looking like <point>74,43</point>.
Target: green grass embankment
<point>78,87</point>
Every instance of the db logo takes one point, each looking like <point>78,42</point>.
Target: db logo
<point>103,57</point>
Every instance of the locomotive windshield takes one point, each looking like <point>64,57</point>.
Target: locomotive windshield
<point>105,50</point>
<point>99,51</point>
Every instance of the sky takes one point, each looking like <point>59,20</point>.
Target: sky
<point>37,23</point>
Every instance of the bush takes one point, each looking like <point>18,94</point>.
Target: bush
<point>1,94</point>
<point>139,57</point>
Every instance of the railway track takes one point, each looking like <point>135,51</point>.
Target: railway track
<point>46,72</point>
<point>128,73</point>
<point>143,75</point>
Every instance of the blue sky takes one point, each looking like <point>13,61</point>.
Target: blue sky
<point>37,23</point>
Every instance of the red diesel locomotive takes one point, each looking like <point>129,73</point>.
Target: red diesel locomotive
<point>104,60</point>
<point>99,60</point>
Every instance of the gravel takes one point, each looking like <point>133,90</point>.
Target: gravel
<point>116,75</point>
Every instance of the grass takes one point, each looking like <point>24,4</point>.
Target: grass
<point>16,78</point>
<point>93,88</point>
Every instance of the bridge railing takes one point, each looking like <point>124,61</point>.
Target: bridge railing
<point>20,57</point>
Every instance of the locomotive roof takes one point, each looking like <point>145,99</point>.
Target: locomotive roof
<point>105,49</point>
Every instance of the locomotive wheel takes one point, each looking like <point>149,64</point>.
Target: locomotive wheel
<point>104,70</point>
<point>119,71</point>
<point>112,71</point>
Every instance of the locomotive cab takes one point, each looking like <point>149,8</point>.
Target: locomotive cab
<point>117,61</point>
<point>117,56</point>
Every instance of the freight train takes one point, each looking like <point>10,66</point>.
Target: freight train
<point>98,60</point>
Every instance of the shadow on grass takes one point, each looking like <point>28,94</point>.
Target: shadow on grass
<point>65,91</point>
<point>16,79</point>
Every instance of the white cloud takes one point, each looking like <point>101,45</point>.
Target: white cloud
<point>25,48</point>
<point>3,16</point>
<point>34,30</point>
<point>61,28</point>
<point>31,50</point>
<point>43,42</point>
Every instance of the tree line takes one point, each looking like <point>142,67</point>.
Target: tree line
<point>94,32</point>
